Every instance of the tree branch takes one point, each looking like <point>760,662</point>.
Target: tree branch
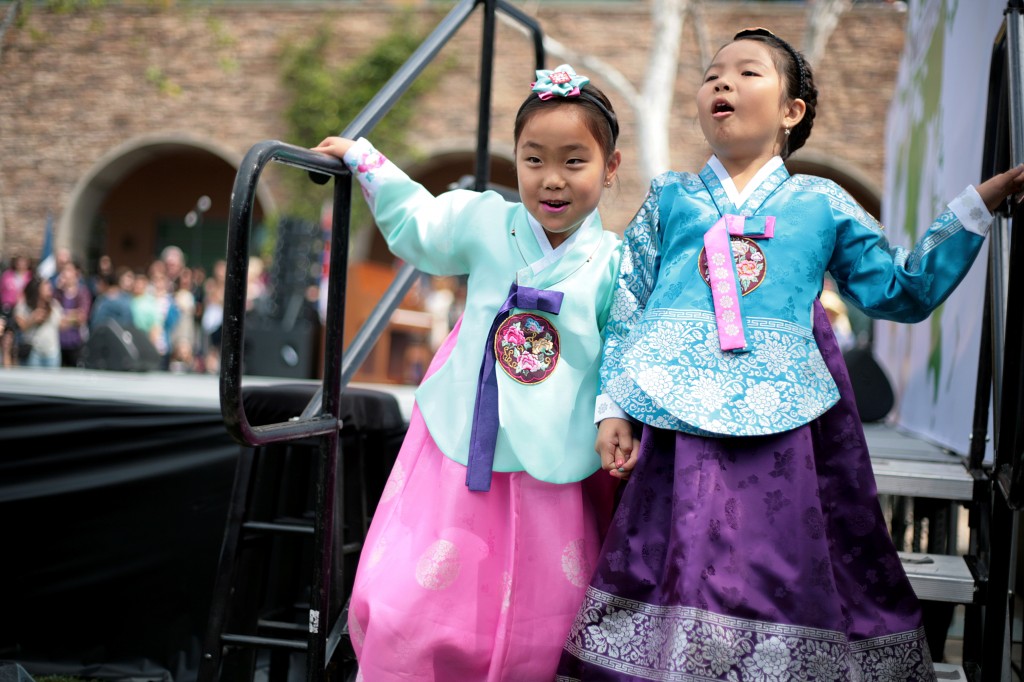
<point>612,76</point>
<point>12,12</point>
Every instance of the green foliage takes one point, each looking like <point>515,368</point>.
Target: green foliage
<point>62,6</point>
<point>325,99</point>
<point>156,77</point>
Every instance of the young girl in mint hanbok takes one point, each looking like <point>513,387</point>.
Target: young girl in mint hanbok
<point>489,526</point>
<point>749,543</point>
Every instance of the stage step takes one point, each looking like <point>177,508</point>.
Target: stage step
<point>939,577</point>
<point>939,480</point>
<point>909,466</point>
<point>944,672</point>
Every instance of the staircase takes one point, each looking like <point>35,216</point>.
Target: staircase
<point>908,467</point>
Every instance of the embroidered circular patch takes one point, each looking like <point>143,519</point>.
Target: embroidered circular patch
<point>750,264</point>
<point>526,347</point>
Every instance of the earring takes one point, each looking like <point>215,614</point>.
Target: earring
<point>787,132</point>
<point>607,183</point>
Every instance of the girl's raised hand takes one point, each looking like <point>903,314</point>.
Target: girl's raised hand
<point>334,145</point>
<point>995,190</point>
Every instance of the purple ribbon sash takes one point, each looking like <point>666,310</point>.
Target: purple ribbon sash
<point>484,436</point>
<point>726,293</point>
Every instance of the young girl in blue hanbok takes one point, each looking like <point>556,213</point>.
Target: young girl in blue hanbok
<point>489,526</point>
<point>749,543</point>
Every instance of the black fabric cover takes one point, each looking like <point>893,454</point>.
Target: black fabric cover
<point>871,387</point>
<point>111,520</point>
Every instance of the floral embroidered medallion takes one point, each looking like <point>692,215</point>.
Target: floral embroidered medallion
<point>750,264</point>
<point>526,346</point>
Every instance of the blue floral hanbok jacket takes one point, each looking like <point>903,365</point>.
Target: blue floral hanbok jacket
<point>663,363</point>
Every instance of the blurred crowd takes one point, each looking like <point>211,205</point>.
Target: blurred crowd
<point>49,312</point>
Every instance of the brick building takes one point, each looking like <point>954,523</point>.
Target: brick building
<point>113,120</point>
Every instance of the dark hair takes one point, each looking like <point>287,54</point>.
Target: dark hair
<point>31,292</point>
<point>599,116</point>
<point>799,80</point>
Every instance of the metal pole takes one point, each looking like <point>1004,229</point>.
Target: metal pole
<point>329,494</point>
<point>483,131</point>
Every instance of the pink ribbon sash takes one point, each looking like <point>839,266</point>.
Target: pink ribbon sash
<point>725,285</point>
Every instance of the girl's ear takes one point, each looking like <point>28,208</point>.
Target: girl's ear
<point>794,113</point>
<point>612,167</point>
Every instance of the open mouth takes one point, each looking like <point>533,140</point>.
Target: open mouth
<point>555,205</point>
<point>721,107</point>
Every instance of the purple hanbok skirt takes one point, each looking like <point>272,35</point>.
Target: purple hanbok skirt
<point>754,558</point>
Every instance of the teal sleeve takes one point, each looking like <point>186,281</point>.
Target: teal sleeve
<point>890,282</point>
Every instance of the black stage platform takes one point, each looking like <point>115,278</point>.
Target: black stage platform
<point>114,489</point>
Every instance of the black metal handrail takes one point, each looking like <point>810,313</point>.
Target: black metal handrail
<point>316,419</point>
<point>321,418</point>
<point>1001,365</point>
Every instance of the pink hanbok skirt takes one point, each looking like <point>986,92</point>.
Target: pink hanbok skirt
<point>456,585</point>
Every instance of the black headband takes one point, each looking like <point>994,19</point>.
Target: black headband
<point>613,122</point>
<point>797,59</point>
<point>609,115</point>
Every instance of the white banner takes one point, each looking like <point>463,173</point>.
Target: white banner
<point>934,145</point>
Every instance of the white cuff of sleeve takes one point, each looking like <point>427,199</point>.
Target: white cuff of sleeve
<point>356,151</point>
<point>607,408</point>
<point>972,212</point>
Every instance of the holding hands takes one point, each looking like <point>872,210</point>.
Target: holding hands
<point>617,447</point>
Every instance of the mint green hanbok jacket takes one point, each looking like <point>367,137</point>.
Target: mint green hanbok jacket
<point>546,427</point>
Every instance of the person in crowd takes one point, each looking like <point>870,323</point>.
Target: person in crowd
<point>182,357</point>
<point>76,301</point>
<point>173,259</point>
<point>487,529</point>
<point>185,302</point>
<point>115,301</point>
<point>13,281</point>
<point>749,543</point>
<point>836,310</point>
<point>168,313</point>
<point>213,316</point>
<point>94,282</point>
<point>61,257</point>
<point>7,339</point>
<point>38,317</point>
<point>146,315</point>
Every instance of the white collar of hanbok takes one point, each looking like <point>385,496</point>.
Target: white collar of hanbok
<point>551,255</point>
<point>737,198</point>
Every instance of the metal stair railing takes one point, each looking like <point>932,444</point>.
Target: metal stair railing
<point>321,417</point>
<point>999,492</point>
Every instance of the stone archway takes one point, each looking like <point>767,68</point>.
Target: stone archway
<point>134,200</point>
<point>851,179</point>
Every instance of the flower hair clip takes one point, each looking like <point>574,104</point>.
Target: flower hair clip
<point>562,81</point>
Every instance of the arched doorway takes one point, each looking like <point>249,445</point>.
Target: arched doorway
<point>846,176</point>
<point>135,201</point>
